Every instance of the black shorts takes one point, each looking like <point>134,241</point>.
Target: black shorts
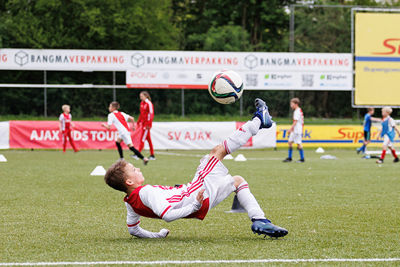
<point>367,135</point>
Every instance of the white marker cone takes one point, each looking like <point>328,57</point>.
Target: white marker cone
<point>240,157</point>
<point>229,156</point>
<point>2,158</point>
<point>98,171</point>
<point>320,150</point>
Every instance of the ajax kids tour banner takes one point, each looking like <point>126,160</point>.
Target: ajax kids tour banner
<point>165,135</point>
<point>377,59</point>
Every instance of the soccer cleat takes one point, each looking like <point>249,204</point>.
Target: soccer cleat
<point>358,150</point>
<point>396,160</point>
<point>266,228</point>
<point>262,113</point>
<point>379,161</point>
<point>287,160</point>
<point>152,157</point>
<point>134,157</point>
<point>300,161</point>
<point>145,161</point>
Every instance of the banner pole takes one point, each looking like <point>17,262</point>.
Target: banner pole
<point>114,89</point>
<point>183,101</point>
<point>45,93</point>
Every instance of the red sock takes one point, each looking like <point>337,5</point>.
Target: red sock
<point>394,153</point>
<point>383,154</point>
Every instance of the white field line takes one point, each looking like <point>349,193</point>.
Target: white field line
<point>195,262</point>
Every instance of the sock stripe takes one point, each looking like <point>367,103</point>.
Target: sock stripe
<point>242,187</point>
<point>226,147</point>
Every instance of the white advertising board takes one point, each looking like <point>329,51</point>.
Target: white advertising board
<point>193,69</point>
<point>4,135</point>
<point>204,135</point>
<point>274,71</point>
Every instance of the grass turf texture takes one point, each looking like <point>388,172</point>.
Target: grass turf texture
<point>52,210</point>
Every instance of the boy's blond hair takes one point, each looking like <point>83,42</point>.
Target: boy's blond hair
<point>388,110</point>
<point>295,100</point>
<point>64,107</point>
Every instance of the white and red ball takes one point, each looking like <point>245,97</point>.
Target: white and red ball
<point>226,87</point>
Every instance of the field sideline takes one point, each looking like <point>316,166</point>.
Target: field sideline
<point>54,211</point>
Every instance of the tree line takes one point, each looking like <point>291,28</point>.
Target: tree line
<point>200,25</point>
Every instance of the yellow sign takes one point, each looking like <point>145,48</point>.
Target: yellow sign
<point>329,136</point>
<point>377,59</point>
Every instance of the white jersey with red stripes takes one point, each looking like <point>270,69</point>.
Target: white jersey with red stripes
<point>120,121</point>
<point>155,201</point>
<point>65,120</point>
<point>299,117</point>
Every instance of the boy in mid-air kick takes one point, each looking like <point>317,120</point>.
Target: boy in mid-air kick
<point>211,184</point>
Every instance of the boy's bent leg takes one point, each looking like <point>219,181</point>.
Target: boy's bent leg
<point>260,225</point>
<point>261,119</point>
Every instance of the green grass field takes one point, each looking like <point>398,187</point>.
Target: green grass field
<point>52,210</point>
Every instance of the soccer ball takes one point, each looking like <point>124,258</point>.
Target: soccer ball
<point>226,87</point>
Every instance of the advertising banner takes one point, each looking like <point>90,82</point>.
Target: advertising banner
<point>193,69</point>
<point>330,136</point>
<point>377,59</point>
<point>275,71</point>
<point>165,135</point>
<point>4,135</point>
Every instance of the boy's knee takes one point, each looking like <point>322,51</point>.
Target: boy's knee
<point>218,151</point>
<point>238,180</point>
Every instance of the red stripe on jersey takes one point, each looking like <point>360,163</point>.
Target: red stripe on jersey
<point>121,119</point>
<point>162,214</point>
<point>131,225</point>
<point>195,183</point>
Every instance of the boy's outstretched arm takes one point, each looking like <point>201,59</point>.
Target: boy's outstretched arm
<point>133,223</point>
<point>142,233</point>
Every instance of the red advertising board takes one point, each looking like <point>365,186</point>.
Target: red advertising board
<point>46,134</point>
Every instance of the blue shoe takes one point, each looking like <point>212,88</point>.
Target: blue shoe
<point>266,228</point>
<point>262,113</point>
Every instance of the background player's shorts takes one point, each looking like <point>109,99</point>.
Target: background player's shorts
<point>387,141</point>
<point>295,138</point>
<point>217,181</point>
<point>126,137</point>
<point>367,135</point>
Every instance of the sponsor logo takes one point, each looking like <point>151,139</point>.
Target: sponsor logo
<point>143,75</point>
<point>21,58</point>
<point>190,136</point>
<point>137,60</point>
<point>3,58</point>
<point>165,75</point>
<point>278,76</point>
<point>391,45</point>
<point>251,61</point>
<point>182,76</point>
<point>332,77</point>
